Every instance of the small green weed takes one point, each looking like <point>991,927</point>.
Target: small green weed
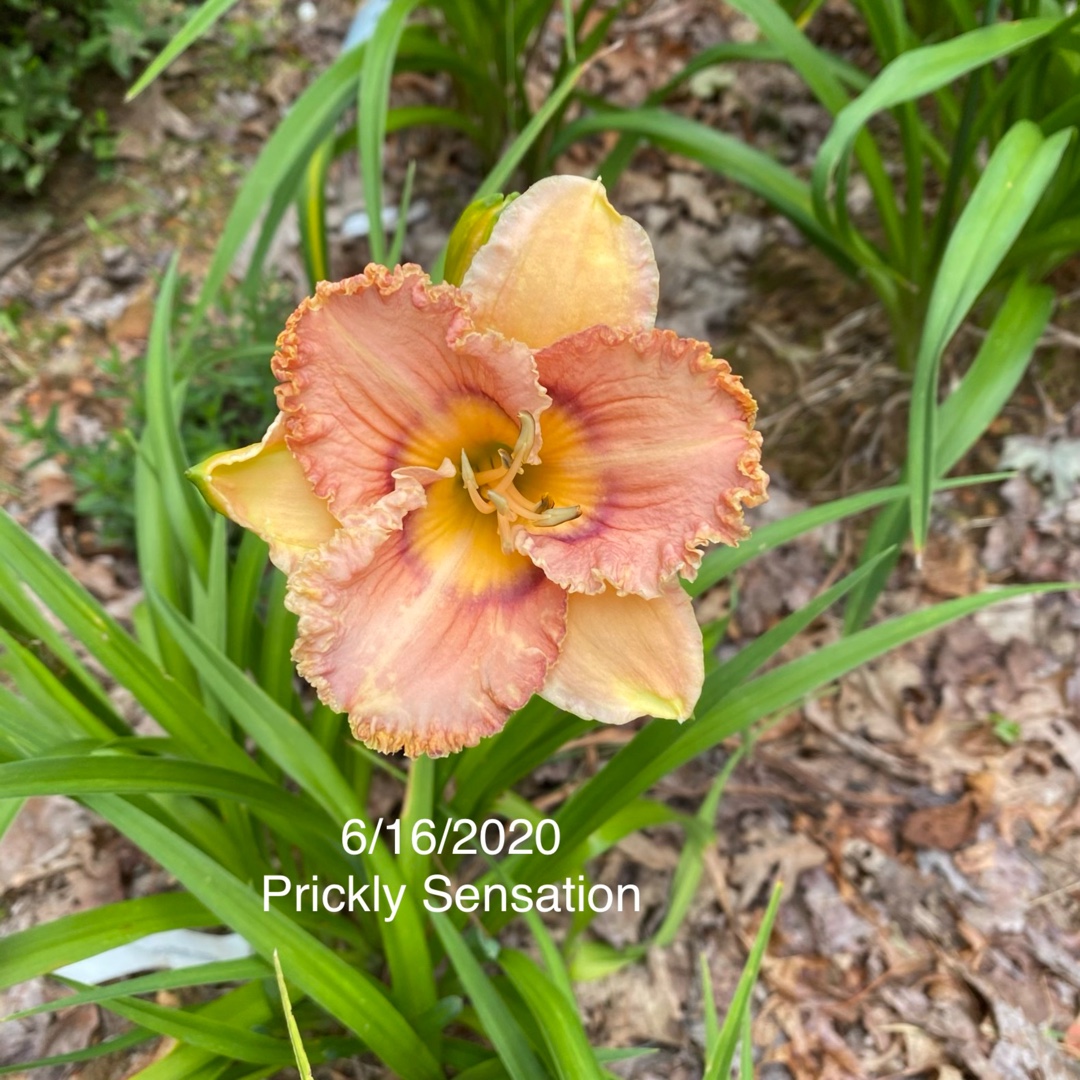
<point>226,400</point>
<point>45,52</point>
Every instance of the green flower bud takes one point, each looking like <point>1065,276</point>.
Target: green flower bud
<point>472,232</point>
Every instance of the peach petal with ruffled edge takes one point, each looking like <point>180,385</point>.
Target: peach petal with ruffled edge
<point>624,657</point>
<point>374,372</point>
<point>561,259</point>
<point>659,451</point>
<point>421,658</point>
<point>262,488</point>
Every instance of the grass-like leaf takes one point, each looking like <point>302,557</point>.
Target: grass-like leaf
<point>744,663</point>
<point>721,562</point>
<point>126,775</point>
<point>24,619</point>
<point>996,371</point>
<point>110,1046</point>
<point>218,1036</point>
<point>178,711</point>
<point>302,1064</point>
<point>1017,174</point>
<point>187,513</point>
<point>44,948</point>
<point>965,414</point>
<point>199,21</point>
<point>246,1006</point>
<point>294,749</point>
<point>569,1054</point>
<point>809,61</point>
<point>306,124</point>
<point>374,102</point>
<point>531,736</point>
<point>311,213</point>
<point>501,172</point>
<point>658,749</point>
<point>506,1035</point>
<point>722,1052</point>
<point>910,76</point>
<point>688,871</point>
<point>348,993</point>
<point>217,971</point>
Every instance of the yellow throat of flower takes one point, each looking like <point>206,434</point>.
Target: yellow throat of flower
<point>493,492</point>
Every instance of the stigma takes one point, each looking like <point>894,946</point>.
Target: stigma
<point>492,491</point>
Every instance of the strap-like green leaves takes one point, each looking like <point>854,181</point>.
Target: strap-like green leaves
<point>44,948</point>
<point>1016,176</point>
<point>910,76</point>
<point>569,1055</point>
<point>514,1051</point>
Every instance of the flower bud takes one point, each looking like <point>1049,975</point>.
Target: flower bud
<point>472,232</point>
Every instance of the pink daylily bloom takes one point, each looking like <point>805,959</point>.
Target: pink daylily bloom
<point>485,492</point>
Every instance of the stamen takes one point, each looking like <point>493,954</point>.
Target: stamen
<point>530,513</point>
<point>517,501</point>
<point>489,476</point>
<point>492,491</point>
<point>557,515</point>
<point>522,447</point>
<point>518,509</point>
<point>467,474</point>
<point>501,504</point>
<point>527,435</point>
<point>504,535</point>
<point>469,479</point>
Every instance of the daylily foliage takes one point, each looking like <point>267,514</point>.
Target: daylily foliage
<point>489,490</point>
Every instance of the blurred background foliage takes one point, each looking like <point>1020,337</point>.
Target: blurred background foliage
<point>48,51</point>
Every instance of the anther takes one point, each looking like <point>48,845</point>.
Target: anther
<point>467,474</point>
<point>501,503</point>
<point>557,515</point>
<point>468,478</point>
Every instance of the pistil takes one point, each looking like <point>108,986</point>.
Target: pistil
<point>525,442</point>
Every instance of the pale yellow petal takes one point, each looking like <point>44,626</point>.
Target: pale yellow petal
<point>562,259</point>
<point>624,657</point>
<point>263,488</point>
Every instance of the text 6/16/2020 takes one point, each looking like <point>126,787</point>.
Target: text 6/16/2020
<point>454,836</point>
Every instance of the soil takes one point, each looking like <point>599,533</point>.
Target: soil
<point>924,814</point>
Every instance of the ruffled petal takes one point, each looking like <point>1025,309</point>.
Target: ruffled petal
<point>263,488</point>
<point>414,622</point>
<point>384,371</point>
<point>653,438</point>
<point>562,259</point>
<point>625,657</point>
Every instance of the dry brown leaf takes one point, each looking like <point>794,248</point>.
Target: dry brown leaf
<point>946,827</point>
<point>951,566</point>
<point>786,858</point>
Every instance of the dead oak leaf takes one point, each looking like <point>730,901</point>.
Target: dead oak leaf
<point>789,857</point>
<point>946,827</point>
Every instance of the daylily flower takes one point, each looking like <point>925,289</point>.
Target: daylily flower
<point>488,491</point>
